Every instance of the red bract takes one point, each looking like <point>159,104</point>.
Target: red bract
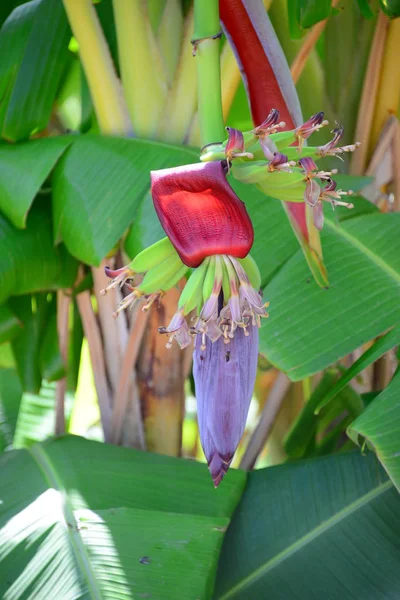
<point>200,212</point>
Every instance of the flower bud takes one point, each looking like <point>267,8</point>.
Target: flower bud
<point>224,376</point>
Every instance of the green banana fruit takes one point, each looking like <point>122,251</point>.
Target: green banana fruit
<point>252,271</point>
<point>209,278</point>
<point>191,295</point>
<point>152,256</point>
<point>283,138</point>
<point>163,276</point>
<point>226,287</point>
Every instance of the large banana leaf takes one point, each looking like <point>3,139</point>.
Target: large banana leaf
<point>87,520</point>
<point>318,529</point>
<point>379,424</point>
<point>36,416</point>
<point>97,188</point>
<point>310,328</point>
<point>29,262</point>
<point>23,169</point>
<point>34,50</point>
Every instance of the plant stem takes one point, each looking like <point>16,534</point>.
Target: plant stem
<point>96,60</point>
<point>182,98</point>
<point>207,52</point>
<point>142,74</point>
<point>63,308</point>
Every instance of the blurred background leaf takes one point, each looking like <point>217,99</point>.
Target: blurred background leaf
<point>379,425</point>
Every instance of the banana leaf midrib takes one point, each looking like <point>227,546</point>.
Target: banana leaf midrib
<point>306,539</point>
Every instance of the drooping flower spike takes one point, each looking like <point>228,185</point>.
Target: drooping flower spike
<point>220,308</point>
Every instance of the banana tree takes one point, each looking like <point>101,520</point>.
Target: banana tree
<point>137,185</point>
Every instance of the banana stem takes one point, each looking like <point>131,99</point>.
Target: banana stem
<point>182,99</point>
<point>388,97</point>
<point>170,45</point>
<point>141,69</point>
<point>103,82</point>
<point>206,47</point>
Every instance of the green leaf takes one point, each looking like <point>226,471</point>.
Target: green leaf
<point>34,50</point>
<point>98,186</point>
<point>97,521</point>
<point>322,528</point>
<point>361,206</point>
<point>36,416</point>
<point>50,360</point>
<point>379,424</point>
<point>10,398</point>
<point>352,182</point>
<point>23,169</point>
<point>6,356</point>
<point>365,9</point>
<point>28,260</point>
<point>303,428</point>
<point>32,313</point>
<point>391,8</point>
<point>378,349</point>
<point>10,326</point>
<point>303,14</point>
<point>310,328</point>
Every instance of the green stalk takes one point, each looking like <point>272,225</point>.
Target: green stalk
<point>95,56</point>
<point>207,52</point>
<point>142,72</point>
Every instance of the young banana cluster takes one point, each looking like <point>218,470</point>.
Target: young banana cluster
<point>281,165</point>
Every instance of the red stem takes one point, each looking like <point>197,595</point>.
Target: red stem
<point>263,89</point>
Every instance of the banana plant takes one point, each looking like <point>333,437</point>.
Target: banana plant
<point>152,205</point>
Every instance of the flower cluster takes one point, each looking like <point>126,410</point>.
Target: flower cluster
<point>283,167</point>
<point>209,237</point>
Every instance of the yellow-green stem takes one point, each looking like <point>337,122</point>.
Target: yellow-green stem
<point>207,51</point>
<point>182,99</point>
<point>170,44</point>
<point>141,67</point>
<point>95,56</point>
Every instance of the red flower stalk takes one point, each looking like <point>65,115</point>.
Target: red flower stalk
<point>200,212</point>
<point>268,82</point>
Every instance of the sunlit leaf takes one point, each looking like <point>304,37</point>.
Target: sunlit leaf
<point>146,524</point>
